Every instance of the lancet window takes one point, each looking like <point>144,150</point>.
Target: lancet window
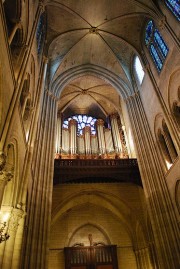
<point>167,145</point>
<point>40,33</point>
<point>156,45</point>
<point>174,6</point>
<point>139,69</point>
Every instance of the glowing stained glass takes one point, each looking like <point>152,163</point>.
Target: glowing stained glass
<point>149,31</point>
<point>40,33</point>
<point>160,42</point>
<point>82,121</point>
<point>174,6</point>
<point>156,57</point>
<point>156,45</point>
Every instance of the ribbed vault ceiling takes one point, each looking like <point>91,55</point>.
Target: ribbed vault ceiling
<point>103,33</point>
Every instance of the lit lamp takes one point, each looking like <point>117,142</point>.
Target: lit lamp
<point>3,235</point>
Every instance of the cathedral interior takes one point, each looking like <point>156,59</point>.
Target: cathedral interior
<point>89,134</point>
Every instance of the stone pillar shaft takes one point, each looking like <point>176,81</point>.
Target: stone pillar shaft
<point>39,210</point>
<point>161,211</point>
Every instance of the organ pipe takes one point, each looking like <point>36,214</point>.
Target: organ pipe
<point>73,131</point>
<point>108,140</point>
<point>94,145</point>
<point>105,144</point>
<point>58,134</point>
<point>100,132</point>
<point>115,133</point>
<point>87,134</point>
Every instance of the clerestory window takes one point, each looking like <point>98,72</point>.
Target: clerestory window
<point>40,33</point>
<point>156,45</point>
<point>139,69</point>
<point>174,6</point>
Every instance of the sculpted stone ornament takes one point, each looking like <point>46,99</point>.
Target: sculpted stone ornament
<point>93,30</point>
<point>16,215</point>
<point>6,176</point>
<point>162,23</point>
<point>2,160</point>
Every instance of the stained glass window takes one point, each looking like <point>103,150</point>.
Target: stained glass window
<point>160,42</point>
<point>156,45</point>
<point>174,6</point>
<point>82,121</point>
<point>40,33</point>
<point>149,32</point>
<point>155,56</point>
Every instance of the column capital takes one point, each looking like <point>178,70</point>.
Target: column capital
<point>16,215</point>
<point>133,96</point>
<point>162,22</point>
<point>2,160</point>
<point>42,5</point>
<point>45,59</point>
<point>59,114</point>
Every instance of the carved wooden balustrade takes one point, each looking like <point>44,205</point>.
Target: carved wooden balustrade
<point>100,257</point>
<point>96,170</point>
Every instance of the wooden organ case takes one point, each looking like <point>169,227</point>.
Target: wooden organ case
<point>91,257</point>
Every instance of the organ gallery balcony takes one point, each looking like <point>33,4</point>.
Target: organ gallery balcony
<point>96,171</point>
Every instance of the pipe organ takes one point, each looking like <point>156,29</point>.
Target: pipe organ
<point>106,143</point>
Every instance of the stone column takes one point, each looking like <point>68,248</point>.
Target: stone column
<point>143,259</point>
<point>164,223</point>
<point>73,134</point>
<point>87,135</point>
<point>21,75</point>
<point>100,132</point>
<point>115,133</point>
<point>35,245</point>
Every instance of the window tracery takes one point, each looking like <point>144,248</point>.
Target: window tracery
<point>82,121</point>
<point>174,6</point>
<point>156,45</point>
